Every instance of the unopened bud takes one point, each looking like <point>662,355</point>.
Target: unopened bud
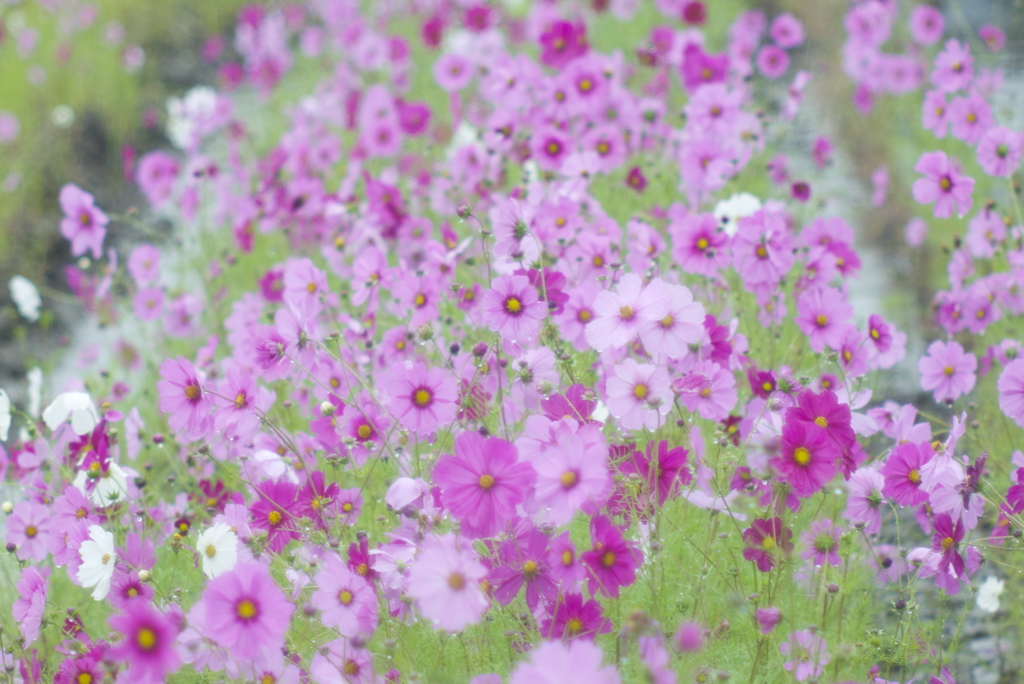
<point>7,507</point>
<point>145,575</point>
<point>326,408</point>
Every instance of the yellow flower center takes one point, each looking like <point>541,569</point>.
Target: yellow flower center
<point>364,431</point>
<point>211,551</point>
<point>762,253</point>
<point>802,456</point>
<point>530,569</point>
<point>947,543</point>
<point>456,581</point>
<point>345,597</point>
<point>574,626</point>
<point>240,400</point>
<point>422,397</point>
<point>821,421</point>
<point>31,531</point>
<point>945,184</point>
<point>513,305</point>
<point>311,288</point>
<point>567,558</point>
<point>146,639</point>
<point>706,392</point>
<point>246,609</point>
<point>640,391</point>
<point>702,244</point>
<point>598,261</point>
<point>347,506</point>
<point>875,334</point>
<point>362,569</point>
<point>568,479</point>
<point>486,482</point>
<point>914,476</point>
<point>626,313</point>
<point>351,667</point>
<point>821,321</point>
<point>948,370</point>
<point>133,592</point>
<point>768,543</point>
<point>584,316</point>
<point>192,392</point>
<point>667,321</point>
<point>84,678</point>
<point>608,559</point>
<point>419,300</point>
<point>275,517</point>
<point>81,513</point>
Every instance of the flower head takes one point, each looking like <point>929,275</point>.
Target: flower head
<point>246,612</point>
<point>148,646</point>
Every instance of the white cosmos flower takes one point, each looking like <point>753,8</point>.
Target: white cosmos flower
<point>111,487</point>
<point>5,415</point>
<point>26,297</point>
<point>218,547</point>
<point>730,211</point>
<point>75,405</point>
<point>98,560</point>
<point>988,594</point>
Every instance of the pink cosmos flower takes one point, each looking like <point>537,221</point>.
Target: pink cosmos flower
<point>30,529</point>
<point>902,471</point>
<point>822,540</point>
<point>572,474</point>
<point>762,248</point>
<point>554,663</point>
<point>1000,151</point>
<point>935,113</point>
<point>84,224</point>
<point>823,315</point>
<point>148,644</point>
<point>347,602</point>
<point>948,370</point>
<point>767,540</point>
<point>993,37</point>
<point>942,184</point>
<point>954,67</point>
<point>698,246</point>
<point>671,320</point>
<point>31,602</point>
<point>482,483</point>
<point>241,404</point>
<point>663,471</point>
<point>864,501</point>
<point>639,395</point>
<point>445,581</point>
<point>182,395</point>
<point>807,655</point>
<point>612,561</point>
<point>709,389</point>
<point>341,661</point>
<point>787,31</point>
<point>144,264</point>
<point>620,315</point>
<point>421,398</point>
<point>772,61</point>
<point>926,24</point>
<point>246,612</point>
<point>1011,391</point>
<point>512,308</point>
<point>807,460</point>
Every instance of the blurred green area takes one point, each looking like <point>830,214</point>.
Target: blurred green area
<point>81,66</point>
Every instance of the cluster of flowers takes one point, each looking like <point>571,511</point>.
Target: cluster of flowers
<point>471,400</point>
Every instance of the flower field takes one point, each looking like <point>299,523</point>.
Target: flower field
<point>536,343</point>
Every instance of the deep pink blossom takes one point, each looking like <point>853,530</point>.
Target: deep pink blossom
<point>947,370</point>
<point>246,612</point>
<point>612,561</point>
<point>147,646</point>
<point>942,184</point>
<point>767,541</point>
<point>182,395</point>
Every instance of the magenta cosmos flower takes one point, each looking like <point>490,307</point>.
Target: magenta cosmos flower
<point>83,223</point>
<point>947,370</point>
<point>182,395</point>
<point>942,184</point>
<point>482,483</point>
<point>570,617</point>
<point>246,612</point>
<point>554,663</point>
<point>612,561</point>
<point>946,541</point>
<point>766,539</point>
<point>902,472</point>
<point>148,644</point>
<point>421,398</point>
<point>445,581</point>
<point>1011,391</point>
<point>513,309</point>
<point>807,460</point>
